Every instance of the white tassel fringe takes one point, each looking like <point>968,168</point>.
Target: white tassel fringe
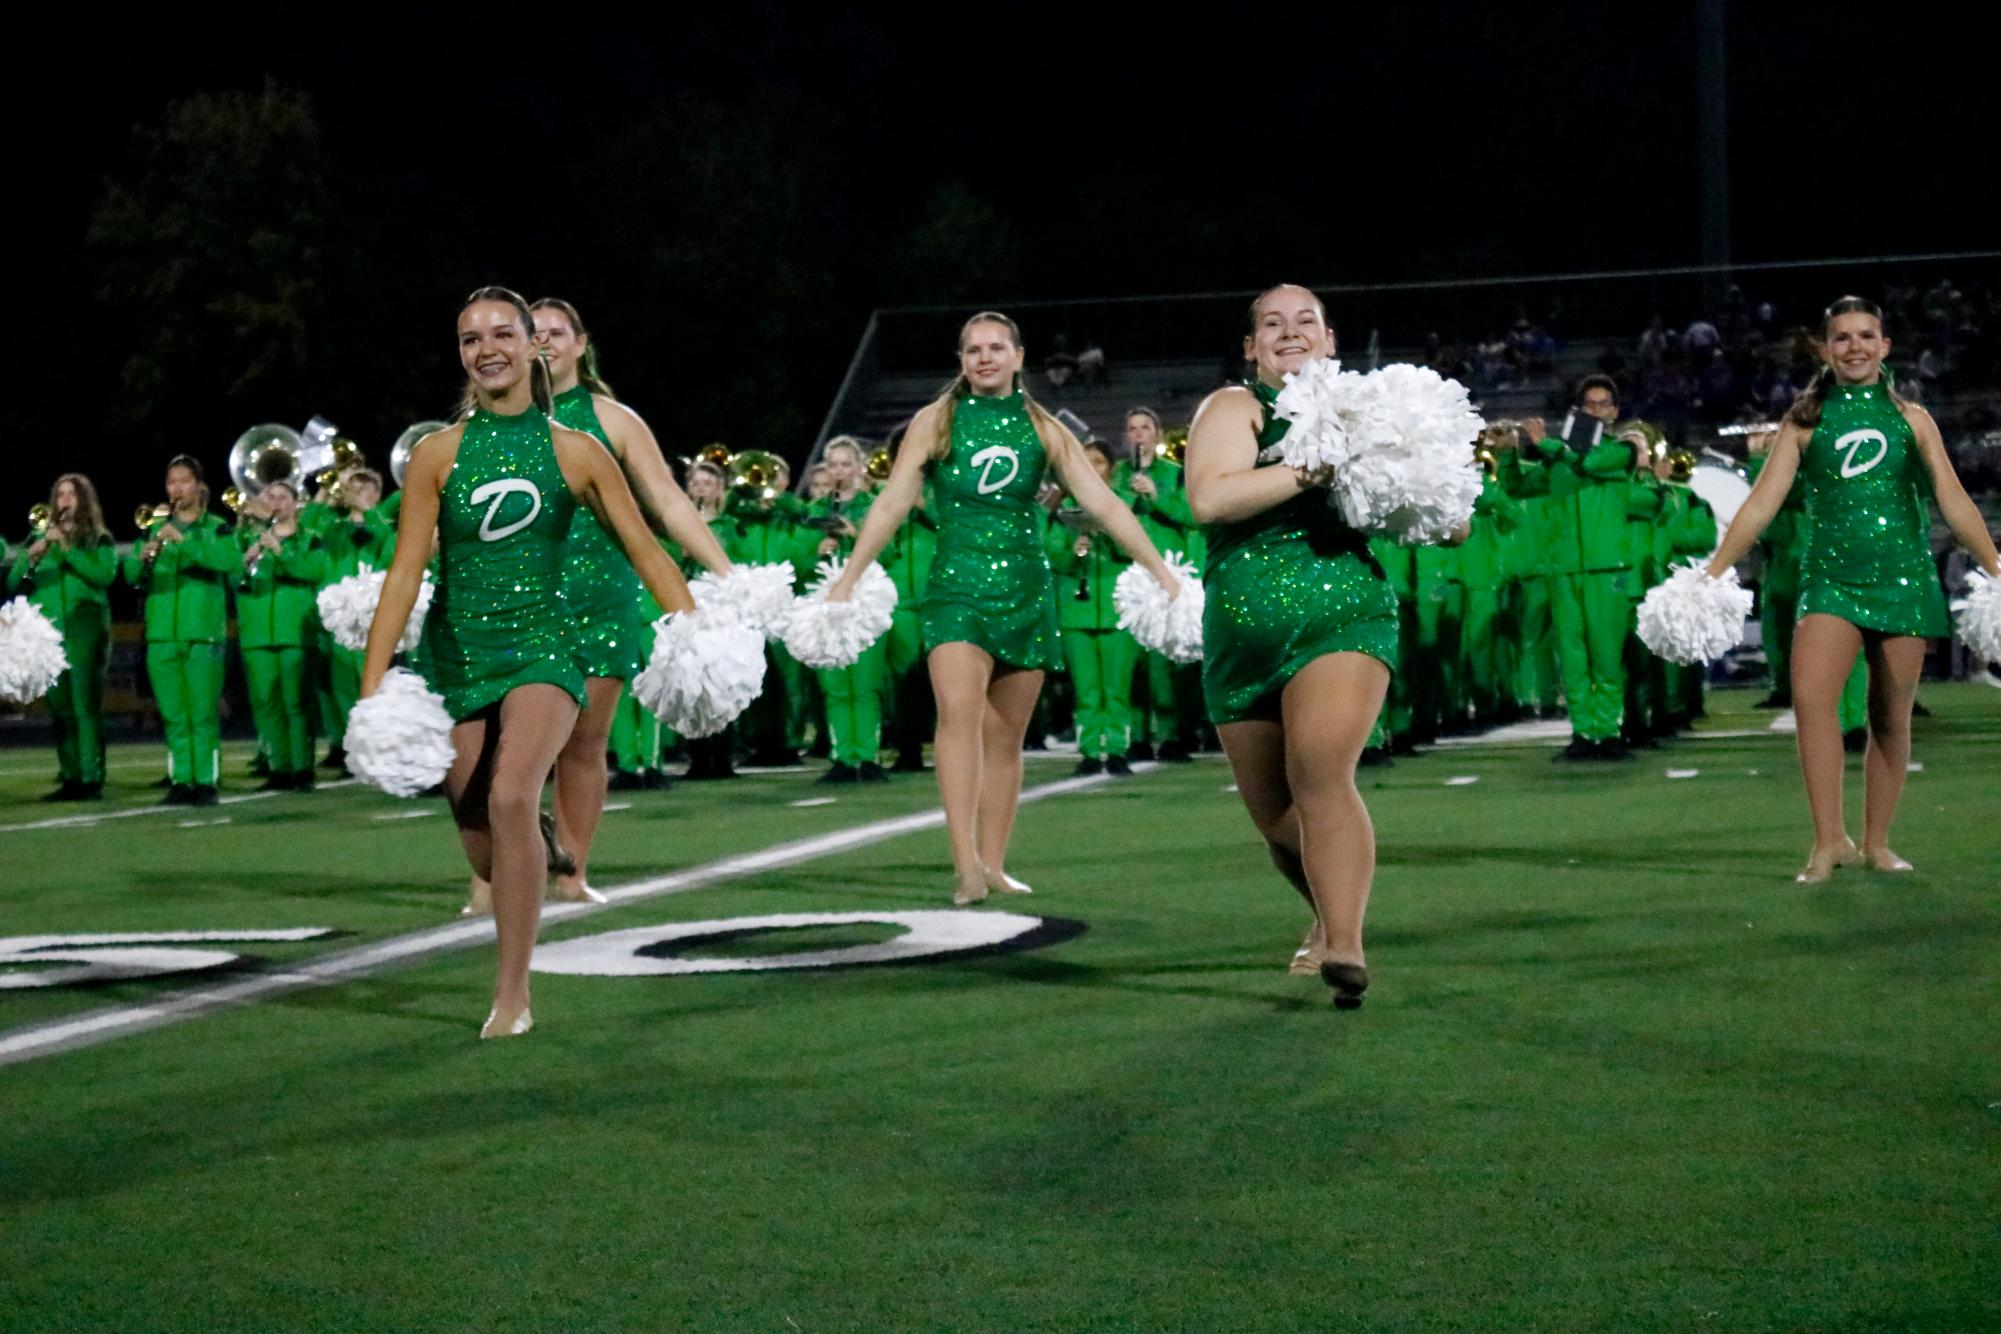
<point>1693,618</point>
<point>758,595</point>
<point>827,634</point>
<point>347,610</point>
<point>31,652</point>
<point>1979,623</point>
<point>705,669</point>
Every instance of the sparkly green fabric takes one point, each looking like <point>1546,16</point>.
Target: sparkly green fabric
<point>499,620</point>
<point>598,582</point>
<point>1866,553</point>
<point>990,582</point>
<point>1284,587</point>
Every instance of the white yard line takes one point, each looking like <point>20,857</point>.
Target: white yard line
<point>127,813</point>
<point>115,1021</point>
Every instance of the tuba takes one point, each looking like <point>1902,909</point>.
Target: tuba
<point>406,444</point>
<point>753,475</point>
<point>266,454</point>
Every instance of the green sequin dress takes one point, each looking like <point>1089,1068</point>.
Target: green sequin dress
<point>598,580</point>
<point>1866,555</point>
<point>1284,587</point>
<point>498,619</point>
<point>990,582</point>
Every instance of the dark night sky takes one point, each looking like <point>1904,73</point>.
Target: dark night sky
<point>1103,154</point>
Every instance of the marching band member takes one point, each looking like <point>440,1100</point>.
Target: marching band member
<point>908,559</point>
<point>1100,656</point>
<point>1158,492</point>
<point>184,570</point>
<point>284,568</point>
<point>65,570</point>
<point>852,696</point>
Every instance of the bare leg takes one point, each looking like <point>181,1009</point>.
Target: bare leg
<point>465,790</point>
<point>959,676</point>
<point>1895,663</point>
<point>1330,707</point>
<point>1256,751</point>
<point>1011,699</point>
<point>534,722</point>
<point>581,782</point>
<point>1824,649</point>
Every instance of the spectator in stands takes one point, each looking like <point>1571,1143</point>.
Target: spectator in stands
<point>1061,364</point>
<point>1091,367</point>
<point>1700,339</point>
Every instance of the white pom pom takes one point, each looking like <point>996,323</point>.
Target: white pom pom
<point>400,737</point>
<point>1979,625</point>
<point>705,669</point>
<point>347,610</point>
<point>31,652</point>
<point>1171,627</point>
<point>759,595</point>
<point>827,634</point>
<point>1693,618</point>
<point>1399,441</point>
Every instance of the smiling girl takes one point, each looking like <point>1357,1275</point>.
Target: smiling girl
<point>1865,458</point>
<point>1299,637</point>
<point>989,612</point>
<point>501,488</point>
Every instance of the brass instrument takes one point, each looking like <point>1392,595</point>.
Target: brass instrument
<point>39,518</point>
<point>753,474</point>
<point>1681,465</point>
<point>266,454</point>
<point>406,444</point>
<point>1645,435</point>
<point>327,483</point>
<point>880,462</point>
<point>148,517</point>
<point>717,455</point>
<point>1174,444</point>
<point>1489,461</point>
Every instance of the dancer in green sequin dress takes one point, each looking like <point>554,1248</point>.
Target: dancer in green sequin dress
<point>989,615</point>
<point>501,489</point>
<point>614,619</point>
<point>1299,637</point>
<point>1865,460</point>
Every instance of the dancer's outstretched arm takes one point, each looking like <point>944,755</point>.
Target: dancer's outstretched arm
<point>416,522</point>
<point>1224,482</point>
<point>893,502</point>
<point>1770,492</point>
<point>1081,480</point>
<point>661,500</point>
<point>597,480</point>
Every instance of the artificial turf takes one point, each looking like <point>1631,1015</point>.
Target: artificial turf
<point>1615,1070</point>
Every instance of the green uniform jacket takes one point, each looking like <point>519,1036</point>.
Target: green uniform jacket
<point>1781,542</point>
<point>1094,576</point>
<point>1166,517</point>
<point>1399,564</point>
<point>350,545</point>
<point>1485,559</point>
<point>1648,514</point>
<point>1538,539</point>
<point>752,535</point>
<point>67,580</point>
<point>187,587</point>
<point>277,602</point>
<point>908,555</point>
<point>855,511</point>
<point>1589,499</point>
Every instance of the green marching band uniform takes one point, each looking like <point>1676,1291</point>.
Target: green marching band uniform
<point>1592,577</point>
<point>598,583</point>
<point>186,592</point>
<point>1645,521</point>
<point>1866,544</point>
<point>753,532</point>
<point>275,620</point>
<point>1535,546</point>
<point>1100,656</point>
<point>1171,713</point>
<point>498,620</point>
<point>68,585</point>
<point>1285,587</point>
<point>1399,566</point>
<point>852,696</point>
<point>990,582</point>
<point>638,738</point>
<point>1485,628</point>
<point>351,546</point>
<point>908,559</point>
<point>1685,529</point>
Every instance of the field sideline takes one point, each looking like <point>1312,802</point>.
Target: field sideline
<point>1616,1069</point>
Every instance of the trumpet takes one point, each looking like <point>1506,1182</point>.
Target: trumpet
<point>39,519</point>
<point>880,461</point>
<point>1489,461</point>
<point>1681,465</point>
<point>753,474</point>
<point>327,482</point>
<point>148,517</point>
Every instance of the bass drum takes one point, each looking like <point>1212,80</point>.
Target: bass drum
<point>1724,489</point>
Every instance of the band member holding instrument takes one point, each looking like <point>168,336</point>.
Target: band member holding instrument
<point>357,534</point>
<point>852,697</point>
<point>989,611</point>
<point>500,489</point>
<point>614,628</point>
<point>1867,459</point>
<point>908,558</point>
<point>65,570</point>
<point>1170,718</point>
<point>183,566</point>
<point>284,568</point>
<point>1099,655</point>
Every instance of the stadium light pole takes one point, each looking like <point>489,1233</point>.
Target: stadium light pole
<point>1712,149</point>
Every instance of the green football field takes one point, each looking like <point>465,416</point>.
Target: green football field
<point>1615,1070</point>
